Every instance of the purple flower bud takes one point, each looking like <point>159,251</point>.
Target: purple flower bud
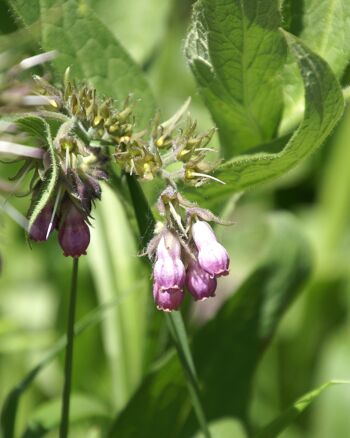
<point>199,283</point>
<point>212,256</point>
<point>38,231</point>
<point>167,301</point>
<point>169,271</point>
<point>74,233</point>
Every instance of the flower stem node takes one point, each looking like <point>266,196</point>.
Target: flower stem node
<point>74,233</point>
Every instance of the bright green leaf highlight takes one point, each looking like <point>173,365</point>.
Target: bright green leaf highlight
<point>236,53</point>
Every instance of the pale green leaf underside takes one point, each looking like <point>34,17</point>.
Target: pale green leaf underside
<point>91,50</point>
<point>324,105</point>
<point>236,53</point>
<point>277,426</point>
<point>326,31</point>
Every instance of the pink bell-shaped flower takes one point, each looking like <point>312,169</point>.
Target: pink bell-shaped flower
<point>169,271</point>
<point>212,256</point>
<point>167,301</point>
<point>199,283</point>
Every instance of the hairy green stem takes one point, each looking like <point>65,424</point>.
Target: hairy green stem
<point>64,426</point>
<point>174,320</point>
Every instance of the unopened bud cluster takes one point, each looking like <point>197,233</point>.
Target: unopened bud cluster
<point>187,254</point>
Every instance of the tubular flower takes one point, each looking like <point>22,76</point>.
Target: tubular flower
<point>39,231</point>
<point>169,271</point>
<point>212,256</point>
<point>199,283</point>
<point>74,233</point>
<point>167,301</point>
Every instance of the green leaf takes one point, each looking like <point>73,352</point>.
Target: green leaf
<point>240,333</point>
<point>138,24</point>
<point>324,104</point>
<point>91,50</point>
<point>277,426</point>
<point>236,54</point>
<point>47,417</point>
<point>326,31</point>
<point>115,266</point>
<point>40,127</point>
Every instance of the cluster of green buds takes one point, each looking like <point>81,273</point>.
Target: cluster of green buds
<point>98,119</point>
<point>168,152</point>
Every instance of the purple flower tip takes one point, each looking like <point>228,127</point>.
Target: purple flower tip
<point>212,256</point>
<point>38,231</point>
<point>167,301</point>
<point>199,283</point>
<point>169,271</point>
<point>74,233</point>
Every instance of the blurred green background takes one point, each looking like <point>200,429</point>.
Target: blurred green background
<point>311,345</point>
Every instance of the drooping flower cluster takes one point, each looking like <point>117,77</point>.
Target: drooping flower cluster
<point>79,170</point>
<point>83,135</point>
<point>188,258</point>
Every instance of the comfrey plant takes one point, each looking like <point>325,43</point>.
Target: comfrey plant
<point>66,175</point>
<point>270,111</point>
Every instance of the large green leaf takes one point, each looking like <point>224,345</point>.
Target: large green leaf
<point>277,426</point>
<point>240,332</point>
<point>324,105</point>
<point>236,53</point>
<point>91,50</point>
<point>326,31</point>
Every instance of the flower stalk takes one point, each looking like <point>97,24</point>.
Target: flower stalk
<point>64,425</point>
